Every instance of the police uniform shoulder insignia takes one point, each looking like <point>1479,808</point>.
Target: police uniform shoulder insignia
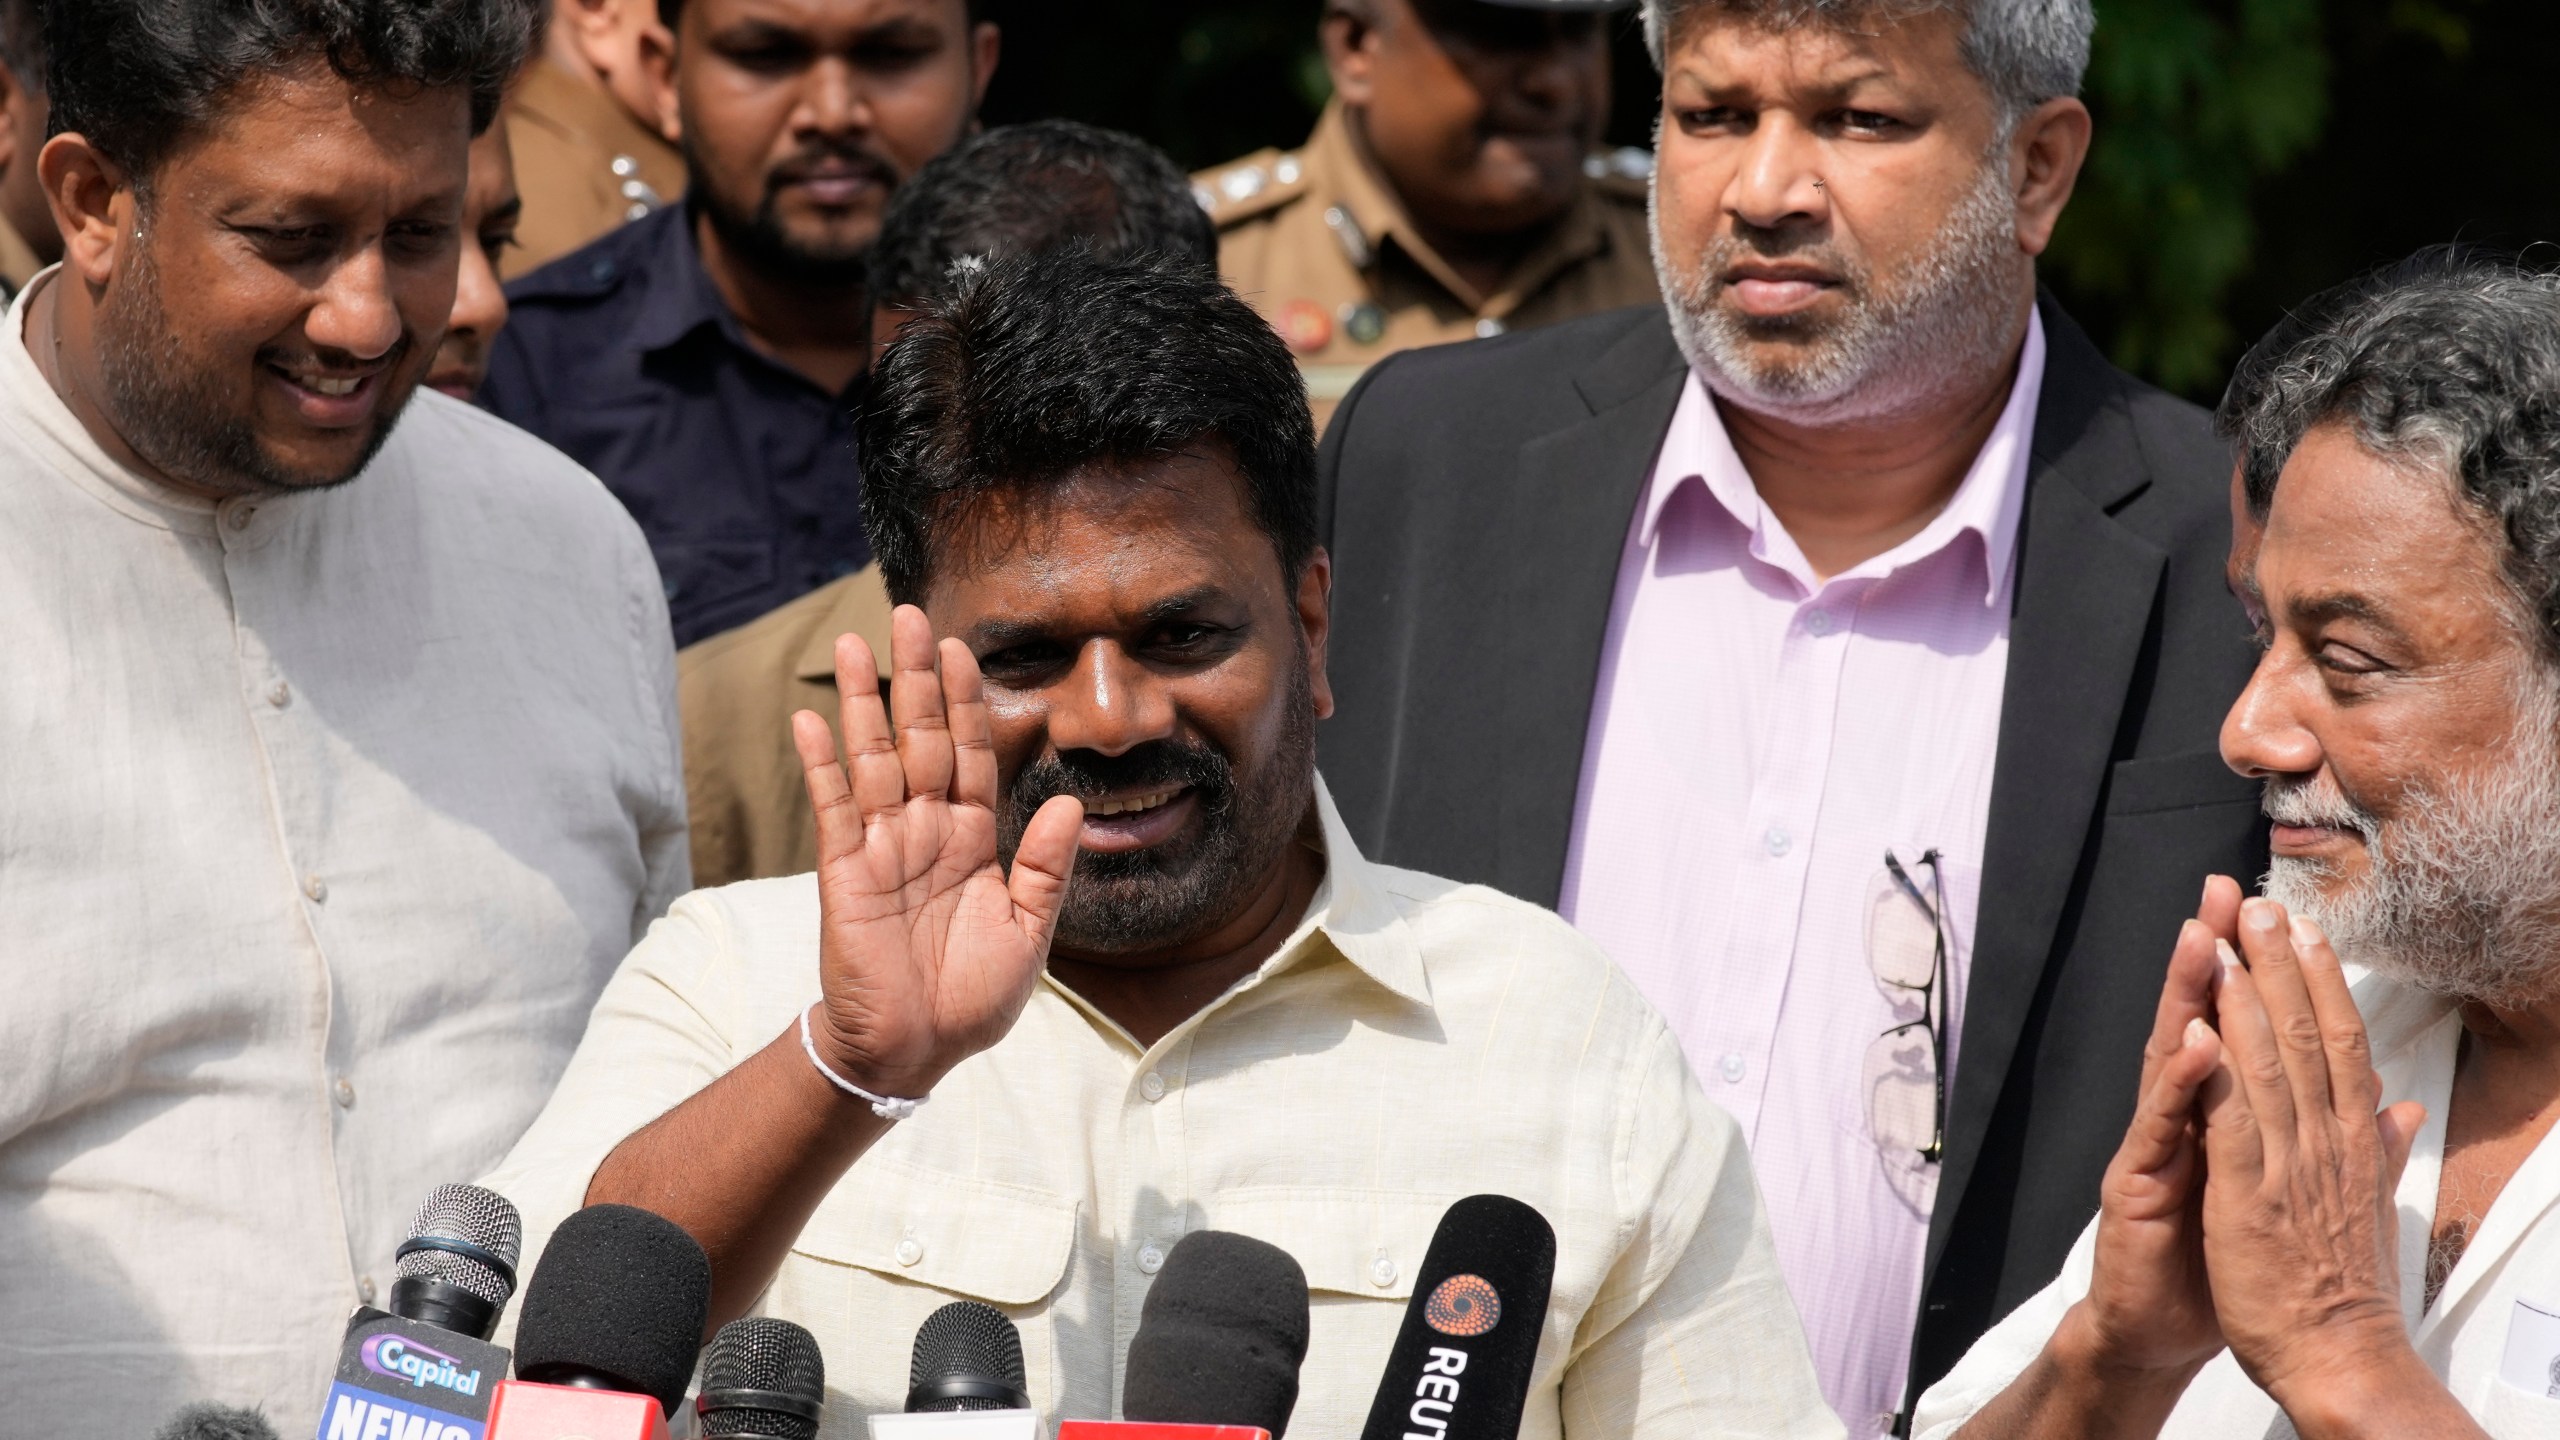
<point>1305,325</point>
<point>1256,185</point>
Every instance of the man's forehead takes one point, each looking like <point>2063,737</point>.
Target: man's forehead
<point>2356,534</point>
<point>1883,43</point>
<point>305,134</point>
<point>1107,545</point>
<point>827,17</point>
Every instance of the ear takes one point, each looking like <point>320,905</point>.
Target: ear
<point>986,47</point>
<point>1350,41</point>
<point>657,51</point>
<point>1315,618</point>
<point>93,205</point>
<point>2044,164</point>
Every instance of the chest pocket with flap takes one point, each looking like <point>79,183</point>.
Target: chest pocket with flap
<point>1005,1244</point>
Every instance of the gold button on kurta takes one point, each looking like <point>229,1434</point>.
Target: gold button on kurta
<point>1315,240</point>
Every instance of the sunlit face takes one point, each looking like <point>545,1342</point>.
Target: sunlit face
<point>490,212</point>
<point>799,117</point>
<point>293,273</point>
<point>1479,114</point>
<point>1144,652</point>
<point>1835,220</point>
<point>2402,717</point>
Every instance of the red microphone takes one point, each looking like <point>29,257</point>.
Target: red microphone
<point>523,1410</point>
<point>1155,1431</point>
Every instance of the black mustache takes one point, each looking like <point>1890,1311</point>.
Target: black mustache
<point>806,161</point>
<point>1090,775</point>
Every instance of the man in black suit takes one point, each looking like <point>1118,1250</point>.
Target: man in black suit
<point>1844,646</point>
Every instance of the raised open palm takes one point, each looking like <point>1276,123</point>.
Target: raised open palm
<point>927,950</point>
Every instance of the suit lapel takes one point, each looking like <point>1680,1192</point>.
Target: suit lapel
<point>1569,505</point>
<point>2086,588</point>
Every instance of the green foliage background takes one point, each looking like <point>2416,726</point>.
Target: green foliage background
<point>2248,152</point>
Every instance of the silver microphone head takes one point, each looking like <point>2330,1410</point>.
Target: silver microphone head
<point>467,1237</point>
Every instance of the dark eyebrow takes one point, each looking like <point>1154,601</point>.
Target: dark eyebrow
<point>988,636</point>
<point>2343,605</point>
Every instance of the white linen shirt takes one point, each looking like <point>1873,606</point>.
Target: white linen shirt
<point>323,820</point>
<point>2514,1257</point>
<point>1413,1042</point>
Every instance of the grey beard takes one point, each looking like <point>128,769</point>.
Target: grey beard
<point>2462,898</point>
<point>1897,351</point>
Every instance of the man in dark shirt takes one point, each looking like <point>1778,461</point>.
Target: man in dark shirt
<point>700,359</point>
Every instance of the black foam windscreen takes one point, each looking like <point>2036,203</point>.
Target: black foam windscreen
<point>764,1378</point>
<point>1461,1363</point>
<point>968,1356</point>
<point>619,1297</point>
<point>216,1422</point>
<point>1220,1337</point>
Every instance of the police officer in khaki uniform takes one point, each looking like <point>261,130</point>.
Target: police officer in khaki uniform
<point>1453,188</point>
<point>582,125</point>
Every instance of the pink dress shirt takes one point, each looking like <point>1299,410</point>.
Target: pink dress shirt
<point>1759,738</point>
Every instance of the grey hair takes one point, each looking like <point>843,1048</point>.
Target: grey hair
<point>2026,51</point>
<point>2451,360</point>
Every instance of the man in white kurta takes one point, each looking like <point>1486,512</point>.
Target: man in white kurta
<point>323,819</point>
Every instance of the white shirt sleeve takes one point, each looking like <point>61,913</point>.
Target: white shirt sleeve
<point>2006,1349</point>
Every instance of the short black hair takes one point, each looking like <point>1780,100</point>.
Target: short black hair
<point>1032,367</point>
<point>139,78</point>
<point>2449,359</point>
<point>1020,188</point>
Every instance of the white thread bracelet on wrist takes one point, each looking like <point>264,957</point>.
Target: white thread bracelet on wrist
<point>887,1107</point>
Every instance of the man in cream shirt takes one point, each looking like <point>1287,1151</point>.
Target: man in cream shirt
<point>1098,478</point>
<point>2337,1212</point>
<point>325,808</point>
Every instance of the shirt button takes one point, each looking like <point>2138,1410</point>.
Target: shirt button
<point>279,694</point>
<point>1383,1273</point>
<point>1778,840</point>
<point>1818,621</point>
<point>316,888</point>
<point>1151,1085</point>
<point>241,515</point>
<point>909,1251</point>
<point>345,1091</point>
<point>364,1289</point>
<point>1732,1069</point>
<point>1150,1259</point>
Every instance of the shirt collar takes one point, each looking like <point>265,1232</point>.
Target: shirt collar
<point>1987,503</point>
<point>1353,916</point>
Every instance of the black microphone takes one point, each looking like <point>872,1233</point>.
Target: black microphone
<point>1461,1363</point>
<point>617,1303</point>
<point>425,1367</point>
<point>1220,1337</point>
<point>458,1266</point>
<point>762,1379</point>
<point>968,1356</point>
<point>216,1422</point>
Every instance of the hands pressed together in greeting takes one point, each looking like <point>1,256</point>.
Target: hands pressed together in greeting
<point>2250,1207</point>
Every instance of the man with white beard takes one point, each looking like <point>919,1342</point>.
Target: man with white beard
<point>1840,644</point>
<point>2336,1212</point>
